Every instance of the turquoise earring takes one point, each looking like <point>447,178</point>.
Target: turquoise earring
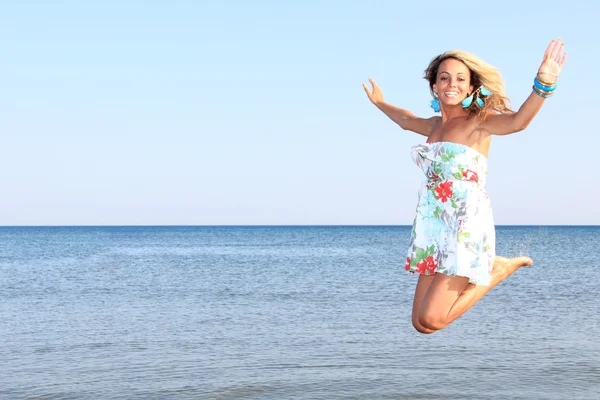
<point>484,91</point>
<point>435,104</point>
<point>481,91</point>
<point>467,102</point>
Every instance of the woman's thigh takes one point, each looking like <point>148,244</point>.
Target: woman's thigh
<point>441,295</point>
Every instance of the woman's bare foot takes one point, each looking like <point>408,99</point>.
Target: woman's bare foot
<point>506,266</point>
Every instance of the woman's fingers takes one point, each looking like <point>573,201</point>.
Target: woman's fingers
<point>371,92</point>
<point>554,58</point>
<point>559,53</point>
<point>562,61</point>
<point>559,56</point>
<point>374,94</point>
<point>549,49</point>
<point>375,87</point>
<point>557,49</point>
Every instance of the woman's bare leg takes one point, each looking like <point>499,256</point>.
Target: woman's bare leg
<point>420,291</point>
<point>503,267</point>
<point>449,297</point>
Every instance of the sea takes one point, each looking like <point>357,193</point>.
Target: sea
<point>286,312</point>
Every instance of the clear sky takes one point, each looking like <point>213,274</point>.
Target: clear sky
<point>252,112</point>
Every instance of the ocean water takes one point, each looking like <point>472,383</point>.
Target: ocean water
<point>285,313</point>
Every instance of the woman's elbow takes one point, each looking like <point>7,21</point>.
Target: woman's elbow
<point>520,124</point>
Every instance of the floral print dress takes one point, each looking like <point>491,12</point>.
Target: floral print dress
<point>453,231</point>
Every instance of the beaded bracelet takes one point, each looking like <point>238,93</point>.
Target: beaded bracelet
<point>541,93</point>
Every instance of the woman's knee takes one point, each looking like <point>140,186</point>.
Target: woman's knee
<point>431,321</point>
<point>420,328</point>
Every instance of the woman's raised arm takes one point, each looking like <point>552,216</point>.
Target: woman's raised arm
<point>543,87</point>
<point>404,118</point>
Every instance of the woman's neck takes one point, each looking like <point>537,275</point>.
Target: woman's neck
<point>451,112</point>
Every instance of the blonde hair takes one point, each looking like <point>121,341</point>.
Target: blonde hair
<point>482,74</point>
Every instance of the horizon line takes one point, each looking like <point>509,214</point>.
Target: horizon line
<point>269,225</point>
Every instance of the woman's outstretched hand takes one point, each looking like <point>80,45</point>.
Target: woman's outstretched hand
<point>554,59</point>
<point>376,96</point>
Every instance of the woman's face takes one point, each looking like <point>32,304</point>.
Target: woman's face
<point>452,85</point>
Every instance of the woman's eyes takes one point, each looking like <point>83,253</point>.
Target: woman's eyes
<point>445,78</point>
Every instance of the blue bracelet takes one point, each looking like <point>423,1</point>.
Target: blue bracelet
<point>543,87</point>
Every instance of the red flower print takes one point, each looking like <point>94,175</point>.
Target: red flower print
<point>444,191</point>
<point>407,267</point>
<point>427,266</point>
<point>470,175</point>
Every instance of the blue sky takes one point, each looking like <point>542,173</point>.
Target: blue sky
<point>239,112</point>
